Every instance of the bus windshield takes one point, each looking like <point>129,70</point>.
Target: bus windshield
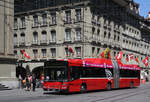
<point>57,74</point>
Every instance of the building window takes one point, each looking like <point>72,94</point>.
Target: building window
<point>44,53</point>
<point>109,35</point>
<point>98,34</point>
<point>15,24</point>
<point>52,2</point>
<point>15,39</point>
<point>78,51</point>
<point>68,35</point>
<point>53,35</point>
<point>93,50</point>
<point>93,30</point>
<point>23,25</point>
<point>36,4</point>
<point>66,51</point>
<point>15,52</point>
<point>105,34</point>
<point>35,20</point>
<point>98,51</point>
<point>43,3</point>
<point>44,20</point>
<point>53,19</point>
<point>118,38</point>
<point>68,1</point>
<point>78,15</point>
<point>22,39</point>
<point>114,53</point>
<point>44,37</point>
<point>78,34</point>
<point>53,52</point>
<point>114,37</point>
<point>68,17</point>
<point>35,53</point>
<point>35,38</point>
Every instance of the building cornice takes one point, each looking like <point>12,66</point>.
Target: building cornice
<point>56,8</point>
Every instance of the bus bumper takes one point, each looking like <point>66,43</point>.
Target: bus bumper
<point>49,91</point>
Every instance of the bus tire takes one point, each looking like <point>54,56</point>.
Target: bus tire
<point>131,85</point>
<point>83,88</point>
<point>108,86</point>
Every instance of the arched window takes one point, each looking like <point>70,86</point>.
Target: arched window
<point>22,39</point>
<point>78,34</point>
<point>15,39</point>
<point>105,34</point>
<point>15,52</point>
<point>68,35</point>
<point>44,36</point>
<point>53,36</point>
<point>35,37</point>
<point>109,35</point>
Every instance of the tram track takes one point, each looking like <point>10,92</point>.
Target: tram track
<point>118,97</point>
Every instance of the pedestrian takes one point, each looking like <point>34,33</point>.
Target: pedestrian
<point>20,81</point>
<point>27,83</point>
<point>30,82</point>
<point>33,82</point>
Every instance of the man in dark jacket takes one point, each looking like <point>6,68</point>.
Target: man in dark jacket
<point>33,82</point>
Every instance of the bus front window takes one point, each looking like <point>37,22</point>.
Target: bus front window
<point>55,74</point>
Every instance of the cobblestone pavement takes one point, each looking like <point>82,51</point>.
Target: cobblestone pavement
<point>140,94</point>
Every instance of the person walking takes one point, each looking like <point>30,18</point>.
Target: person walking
<point>20,82</point>
<point>27,83</point>
<point>33,82</point>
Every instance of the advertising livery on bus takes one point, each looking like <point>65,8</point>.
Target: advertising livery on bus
<point>81,75</point>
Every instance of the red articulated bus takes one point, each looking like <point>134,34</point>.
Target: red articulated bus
<point>76,75</point>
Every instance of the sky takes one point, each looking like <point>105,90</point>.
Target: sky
<point>144,7</point>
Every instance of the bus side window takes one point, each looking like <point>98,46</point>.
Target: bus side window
<point>75,73</point>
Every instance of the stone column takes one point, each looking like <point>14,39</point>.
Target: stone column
<point>7,59</point>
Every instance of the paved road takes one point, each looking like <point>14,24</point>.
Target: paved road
<point>140,94</point>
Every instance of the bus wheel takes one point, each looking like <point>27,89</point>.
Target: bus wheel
<point>83,88</point>
<point>109,86</point>
<point>131,85</point>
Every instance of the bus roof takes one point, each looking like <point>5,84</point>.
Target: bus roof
<point>99,62</point>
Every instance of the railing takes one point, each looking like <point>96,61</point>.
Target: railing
<point>43,42</point>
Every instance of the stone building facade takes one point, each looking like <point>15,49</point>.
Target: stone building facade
<point>46,30</point>
<point>7,58</point>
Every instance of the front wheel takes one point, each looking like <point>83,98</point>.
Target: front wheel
<point>131,85</point>
<point>83,89</point>
<point>109,86</point>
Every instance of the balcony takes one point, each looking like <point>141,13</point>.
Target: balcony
<point>35,58</point>
<point>44,24</point>
<point>34,42</point>
<point>67,40</point>
<point>78,55</point>
<point>21,44</point>
<point>35,25</point>
<point>78,19</point>
<point>78,39</point>
<point>52,41</point>
<point>16,44</point>
<point>67,22</point>
<point>43,42</point>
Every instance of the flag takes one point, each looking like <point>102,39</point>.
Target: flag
<point>106,54</point>
<point>119,56</point>
<point>130,57</point>
<point>102,54</point>
<point>145,61</point>
<point>70,49</point>
<point>137,60</point>
<point>25,54</point>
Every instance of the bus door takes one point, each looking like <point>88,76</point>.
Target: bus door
<point>116,74</point>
